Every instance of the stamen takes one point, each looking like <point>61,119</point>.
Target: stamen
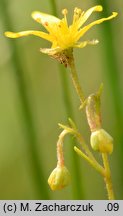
<point>94,42</point>
<point>64,12</point>
<point>46,23</point>
<point>77,11</point>
<point>77,14</point>
<point>38,19</point>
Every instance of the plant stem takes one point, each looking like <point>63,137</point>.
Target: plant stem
<point>90,159</point>
<point>75,80</point>
<point>60,155</point>
<point>84,145</point>
<point>78,192</point>
<point>80,93</point>
<point>112,73</point>
<point>93,163</point>
<point>107,177</point>
<point>89,154</point>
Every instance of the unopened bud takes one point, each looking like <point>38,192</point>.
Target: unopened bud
<point>101,141</point>
<point>59,178</point>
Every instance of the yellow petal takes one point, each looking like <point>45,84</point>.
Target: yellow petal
<point>48,21</point>
<point>85,43</point>
<point>87,14</point>
<point>51,51</point>
<point>26,33</point>
<point>86,28</point>
<point>44,19</point>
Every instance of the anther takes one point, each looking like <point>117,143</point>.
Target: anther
<point>64,12</point>
<point>46,23</point>
<point>38,19</point>
<point>77,11</point>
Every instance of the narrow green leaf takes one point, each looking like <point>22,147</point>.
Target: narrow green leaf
<point>29,131</point>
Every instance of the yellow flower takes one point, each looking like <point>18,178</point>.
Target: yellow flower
<point>60,34</point>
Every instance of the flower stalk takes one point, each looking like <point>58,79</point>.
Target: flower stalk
<point>77,193</point>
<point>94,119</point>
<point>85,152</point>
<point>60,176</point>
<point>93,163</point>
<point>60,155</point>
<point>107,178</point>
<point>75,80</point>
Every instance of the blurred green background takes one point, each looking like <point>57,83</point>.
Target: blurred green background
<point>36,93</point>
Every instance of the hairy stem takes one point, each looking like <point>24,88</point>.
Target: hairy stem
<point>60,155</point>
<point>107,177</point>
<point>78,192</point>
<point>93,163</point>
<point>112,73</point>
<point>75,80</point>
<point>80,93</point>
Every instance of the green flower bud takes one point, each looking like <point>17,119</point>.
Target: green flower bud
<point>101,141</point>
<point>59,178</point>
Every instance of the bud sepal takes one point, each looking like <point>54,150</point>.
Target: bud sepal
<point>101,141</point>
<point>59,178</point>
